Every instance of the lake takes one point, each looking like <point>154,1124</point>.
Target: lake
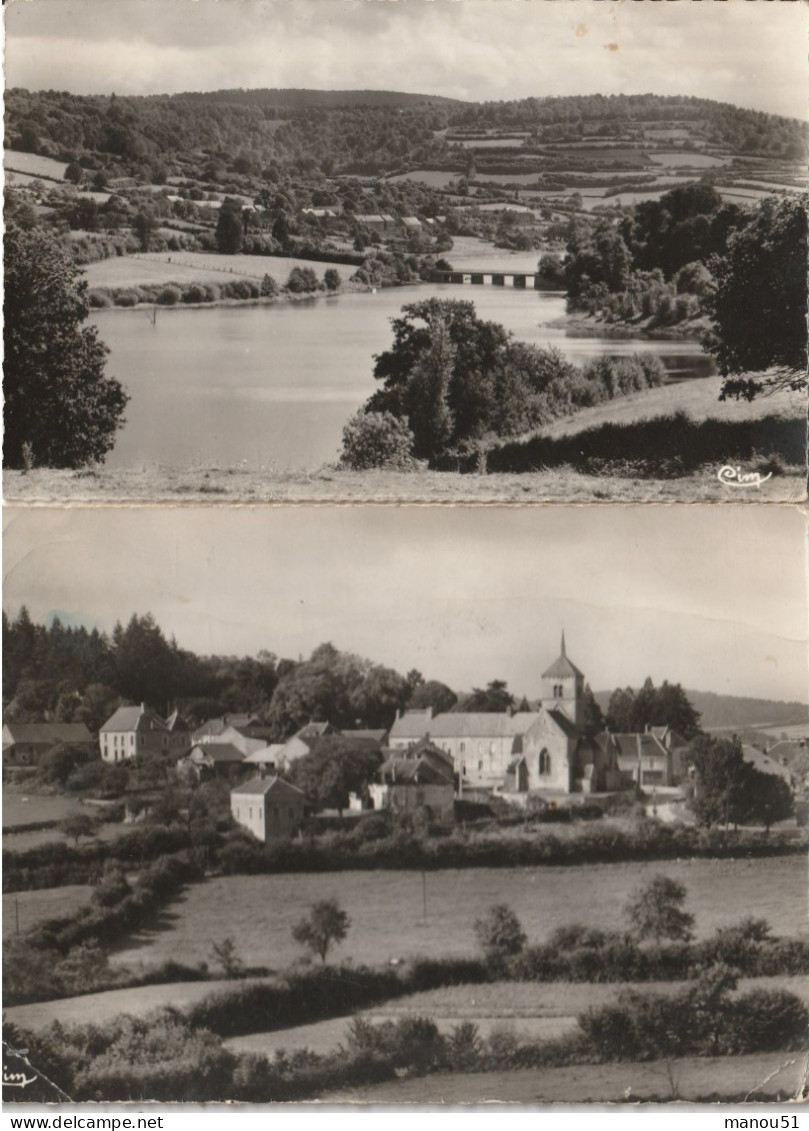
<point>271,387</point>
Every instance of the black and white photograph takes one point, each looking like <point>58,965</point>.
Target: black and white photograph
<point>405,805</point>
<point>271,250</point>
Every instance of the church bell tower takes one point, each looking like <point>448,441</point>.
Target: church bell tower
<point>563,688</point>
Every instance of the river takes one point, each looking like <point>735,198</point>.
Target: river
<point>270,387</point>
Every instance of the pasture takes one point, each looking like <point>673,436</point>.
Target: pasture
<point>33,165</point>
<point>692,1078</point>
<point>197,267</point>
<point>530,1010</point>
<point>386,908</point>
<point>27,909</point>
<point>21,807</point>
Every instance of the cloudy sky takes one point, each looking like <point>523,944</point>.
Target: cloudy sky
<point>749,52</point>
<point>710,596</point>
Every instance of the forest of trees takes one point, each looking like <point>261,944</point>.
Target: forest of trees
<point>365,133</point>
<point>67,673</point>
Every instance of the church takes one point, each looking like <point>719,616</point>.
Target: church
<point>541,751</point>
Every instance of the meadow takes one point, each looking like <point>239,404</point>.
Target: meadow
<point>34,165</point>
<point>387,907</point>
<point>27,909</point>
<point>152,268</point>
<point>691,1078</point>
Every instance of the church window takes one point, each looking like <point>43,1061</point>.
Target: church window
<point>544,762</point>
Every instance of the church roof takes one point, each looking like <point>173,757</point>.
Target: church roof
<point>562,668</point>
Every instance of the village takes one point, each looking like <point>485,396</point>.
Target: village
<point>539,755</point>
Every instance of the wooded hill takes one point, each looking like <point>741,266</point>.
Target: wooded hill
<point>360,132</point>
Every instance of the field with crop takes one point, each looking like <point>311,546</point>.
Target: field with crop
<point>387,908</point>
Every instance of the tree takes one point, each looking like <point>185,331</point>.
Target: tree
<point>77,825</point>
<point>664,706</point>
<point>433,694</point>
<point>229,228</point>
<point>758,305</point>
<point>767,799</point>
<point>593,715</point>
<point>656,911</point>
<point>224,953</point>
<point>721,781</point>
<point>494,698</point>
<point>500,933</point>
<point>429,414</point>
<point>325,924</point>
<point>302,280</point>
<point>332,279</point>
<point>377,440</point>
<point>144,225</point>
<point>60,408</point>
<point>335,767</point>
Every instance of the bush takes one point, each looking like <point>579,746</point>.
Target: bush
<point>169,295</point>
<point>302,280</point>
<point>126,298</point>
<point>500,934</point>
<point>332,279</point>
<point>377,440</point>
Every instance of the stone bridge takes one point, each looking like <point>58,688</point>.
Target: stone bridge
<point>518,279</point>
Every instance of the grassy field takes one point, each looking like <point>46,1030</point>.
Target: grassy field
<point>21,807</point>
<point>34,165</point>
<point>197,267</point>
<point>27,909</point>
<point>688,1079</point>
<point>531,1010</point>
<point>696,398</point>
<point>386,908</point>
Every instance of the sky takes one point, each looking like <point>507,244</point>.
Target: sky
<point>713,597</point>
<point>749,52</point>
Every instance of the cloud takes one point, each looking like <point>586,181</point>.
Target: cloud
<point>747,53</point>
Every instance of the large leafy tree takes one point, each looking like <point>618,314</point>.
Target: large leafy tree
<point>61,410</point>
<point>721,781</point>
<point>758,304</point>
<point>656,911</point>
<point>335,767</point>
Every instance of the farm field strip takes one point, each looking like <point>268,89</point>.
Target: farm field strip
<point>694,1078</point>
<point>198,267</point>
<point>386,907</point>
<point>30,908</point>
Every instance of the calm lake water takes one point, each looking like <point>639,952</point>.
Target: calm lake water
<point>272,386</point>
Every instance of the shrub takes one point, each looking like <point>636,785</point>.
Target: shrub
<point>99,299</point>
<point>169,296</point>
<point>126,298</point>
<point>377,440</point>
<point>332,279</point>
<point>500,933</point>
<point>302,280</point>
<point>655,910</point>
<point>197,292</point>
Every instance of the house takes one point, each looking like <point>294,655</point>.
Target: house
<point>267,758</point>
<point>304,741</point>
<point>209,760</point>
<point>247,725</point>
<point>642,759</point>
<point>133,731</point>
<point>24,744</point>
<point>420,777</point>
<point>543,750</point>
<point>766,764</point>
<point>269,808</point>
<point>411,223</point>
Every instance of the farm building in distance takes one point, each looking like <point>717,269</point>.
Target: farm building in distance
<point>131,731</point>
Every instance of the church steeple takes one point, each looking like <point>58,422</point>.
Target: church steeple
<point>563,687</point>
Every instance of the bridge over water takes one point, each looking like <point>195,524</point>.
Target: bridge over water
<point>518,279</point>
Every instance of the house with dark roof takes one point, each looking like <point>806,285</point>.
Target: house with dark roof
<point>133,731</point>
<point>208,760</point>
<point>269,808</point>
<point>24,744</point>
<point>642,759</point>
<point>419,778</point>
<point>543,751</point>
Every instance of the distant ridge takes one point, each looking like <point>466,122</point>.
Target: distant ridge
<point>302,98</point>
